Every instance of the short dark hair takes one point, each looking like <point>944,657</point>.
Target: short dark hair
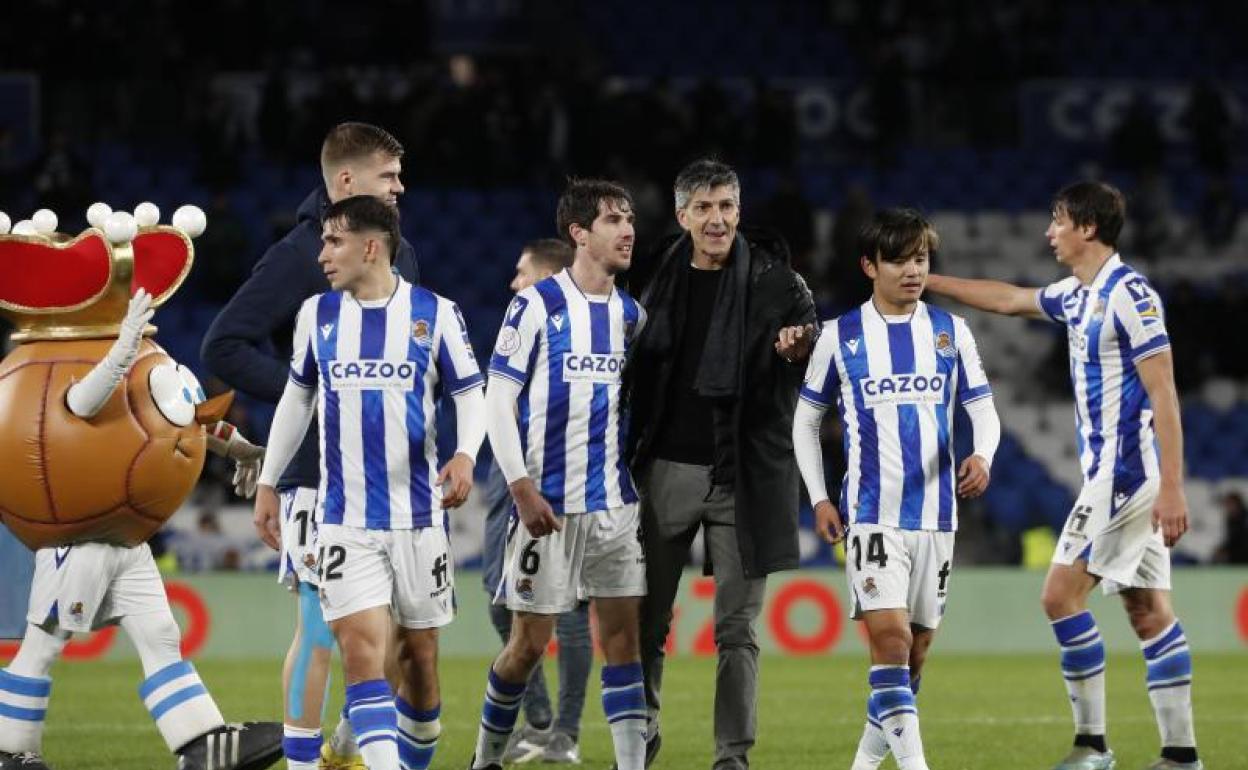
<point>1094,203</point>
<point>361,213</point>
<point>579,203</point>
<point>896,233</point>
<point>705,172</point>
<point>550,253</point>
<point>355,141</point>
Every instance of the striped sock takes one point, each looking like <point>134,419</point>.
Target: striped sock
<point>872,746</point>
<point>23,707</point>
<point>1170,688</point>
<point>624,702</point>
<point>899,718</point>
<point>498,718</point>
<point>301,746</point>
<point>370,705</point>
<point>1083,666</point>
<point>176,698</point>
<point>418,734</point>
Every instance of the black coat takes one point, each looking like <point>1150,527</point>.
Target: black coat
<point>753,425</point>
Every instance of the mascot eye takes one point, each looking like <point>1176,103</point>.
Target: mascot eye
<point>173,397</point>
<point>194,391</point>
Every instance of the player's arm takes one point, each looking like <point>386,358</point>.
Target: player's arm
<point>510,369</point>
<point>1170,511</point>
<point>975,395</point>
<point>457,366</point>
<point>500,408</point>
<point>816,395</point>
<point>993,296</point>
<point>295,410</point>
<point>232,347</point>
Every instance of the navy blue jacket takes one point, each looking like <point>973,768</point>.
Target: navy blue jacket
<point>264,309</point>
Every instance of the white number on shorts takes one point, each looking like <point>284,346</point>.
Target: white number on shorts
<point>337,555</point>
<point>875,550</point>
<point>530,559</point>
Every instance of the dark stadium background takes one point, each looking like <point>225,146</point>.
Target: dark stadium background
<point>973,112</point>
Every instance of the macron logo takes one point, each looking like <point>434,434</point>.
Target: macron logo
<point>899,731</point>
<point>853,346</point>
<point>557,320</point>
<point>326,330</point>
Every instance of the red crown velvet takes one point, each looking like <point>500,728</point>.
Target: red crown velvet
<point>73,288</point>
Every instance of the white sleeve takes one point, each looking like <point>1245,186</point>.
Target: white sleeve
<point>504,431</point>
<point>809,452</point>
<point>469,422</point>
<point>985,427</point>
<point>290,423</point>
<point>1136,305</point>
<point>518,336</point>
<point>972,380</point>
<point>457,366</point>
<point>1051,300</point>
<point>823,381</point>
<point>303,349</point>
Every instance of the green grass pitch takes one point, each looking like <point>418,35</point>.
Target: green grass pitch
<point>977,712</point>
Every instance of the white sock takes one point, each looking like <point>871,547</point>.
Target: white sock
<point>179,703</point>
<point>1169,677</point>
<point>629,738</point>
<point>1083,667</point>
<point>342,742</point>
<point>302,747</point>
<point>872,748</point>
<point>899,718</point>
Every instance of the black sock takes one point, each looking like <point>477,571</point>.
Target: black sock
<point>1184,754</point>
<point>1092,741</point>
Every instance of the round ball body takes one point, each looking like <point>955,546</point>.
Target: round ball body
<point>116,477</point>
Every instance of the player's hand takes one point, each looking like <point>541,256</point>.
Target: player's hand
<point>456,475</point>
<point>1170,514</point>
<point>794,343</point>
<point>535,513</point>
<point>973,476</point>
<point>828,523</point>
<point>267,517</point>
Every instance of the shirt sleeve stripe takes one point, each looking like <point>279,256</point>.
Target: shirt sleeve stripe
<point>1150,348</point>
<point>506,371</point>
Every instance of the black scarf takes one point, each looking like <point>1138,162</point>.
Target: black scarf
<point>719,370</point>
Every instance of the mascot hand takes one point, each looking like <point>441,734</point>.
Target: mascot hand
<point>138,314</point>
<point>225,440</point>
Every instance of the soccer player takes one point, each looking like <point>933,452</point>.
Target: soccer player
<point>356,159</point>
<point>374,355</point>
<point>558,359</point>
<point>896,368</point>
<point>1132,506</point>
<point>85,586</point>
<point>546,736</point>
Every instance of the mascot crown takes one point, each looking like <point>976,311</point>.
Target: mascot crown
<point>54,286</point>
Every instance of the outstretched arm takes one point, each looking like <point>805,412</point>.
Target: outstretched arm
<point>993,296</point>
<point>87,396</point>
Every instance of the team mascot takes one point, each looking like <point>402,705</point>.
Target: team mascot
<point>102,438</point>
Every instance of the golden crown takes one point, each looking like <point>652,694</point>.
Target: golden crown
<point>56,286</point>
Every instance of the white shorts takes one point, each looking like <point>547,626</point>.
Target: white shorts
<point>90,585</point>
<point>1113,532</point>
<point>899,569</point>
<point>299,548</point>
<point>596,554</point>
<point>409,570</point>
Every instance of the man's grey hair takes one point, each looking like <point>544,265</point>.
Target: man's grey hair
<point>707,173</point>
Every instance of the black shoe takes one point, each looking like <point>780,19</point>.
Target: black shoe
<point>246,746</point>
<point>27,760</point>
<point>652,750</point>
<point>472,762</point>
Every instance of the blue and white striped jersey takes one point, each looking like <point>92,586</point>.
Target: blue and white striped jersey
<point>567,351</point>
<point>895,386</point>
<point>379,369</point>
<point>1111,325</point>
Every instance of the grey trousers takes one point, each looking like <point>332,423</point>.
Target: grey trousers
<point>677,498</point>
